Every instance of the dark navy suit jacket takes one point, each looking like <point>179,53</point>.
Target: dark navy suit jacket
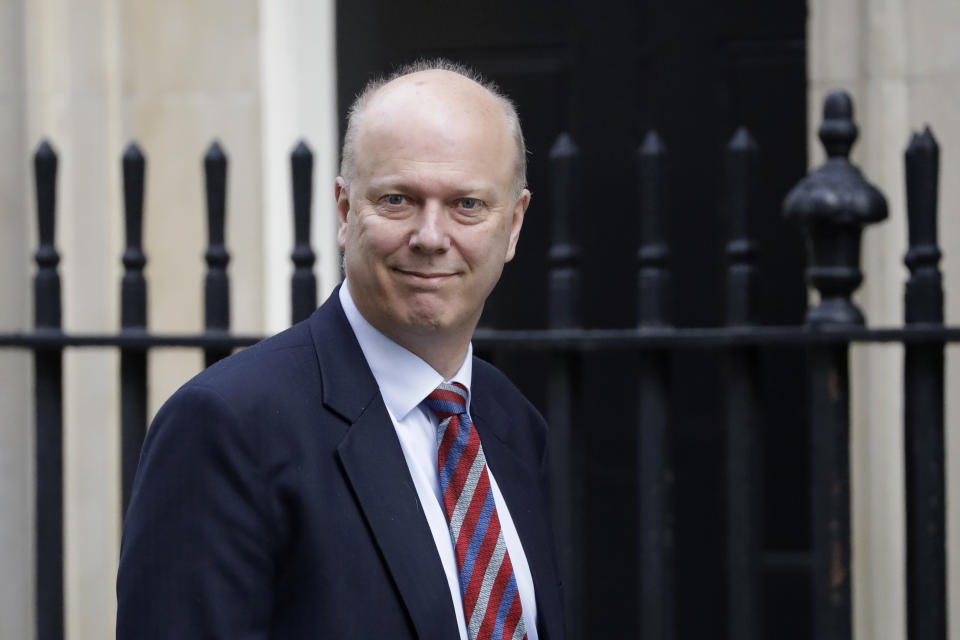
<point>273,502</point>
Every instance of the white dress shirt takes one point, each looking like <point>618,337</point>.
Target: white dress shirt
<point>405,381</point>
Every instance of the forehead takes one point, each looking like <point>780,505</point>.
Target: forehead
<point>434,121</point>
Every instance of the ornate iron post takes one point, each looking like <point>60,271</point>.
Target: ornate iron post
<point>832,205</point>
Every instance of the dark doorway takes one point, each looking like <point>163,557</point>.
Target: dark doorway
<point>608,72</point>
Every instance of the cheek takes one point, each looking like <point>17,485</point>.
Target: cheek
<point>487,247</point>
<point>382,243</point>
<point>377,238</point>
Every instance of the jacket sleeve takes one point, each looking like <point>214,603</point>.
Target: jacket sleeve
<point>197,557</point>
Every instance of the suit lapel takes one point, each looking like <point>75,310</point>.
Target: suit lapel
<point>374,467</point>
<point>520,486</point>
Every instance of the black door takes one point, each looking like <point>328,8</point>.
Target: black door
<point>607,72</point>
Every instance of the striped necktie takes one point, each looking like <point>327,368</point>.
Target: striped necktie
<point>491,603</point>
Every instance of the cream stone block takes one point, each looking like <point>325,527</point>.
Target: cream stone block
<point>15,163</point>
<point>16,496</point>
<point>91,491</point>
<point>877,491</point>
<point>189,46</point>
<point>886,42</point>
<point>298,89</point>
<point>884,137</point>
<point>836,28</point>
<point>16,432</point>
<point>932,27</point>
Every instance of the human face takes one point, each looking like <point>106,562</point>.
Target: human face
<point>431,216</point>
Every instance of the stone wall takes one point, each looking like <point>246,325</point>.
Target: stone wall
<point>91,75</point>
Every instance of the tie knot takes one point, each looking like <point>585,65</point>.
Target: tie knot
<point>448,400</point>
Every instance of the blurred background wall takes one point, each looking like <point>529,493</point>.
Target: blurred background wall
<point>91,75</point>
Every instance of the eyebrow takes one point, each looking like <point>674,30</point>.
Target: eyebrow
<point>477,189</point>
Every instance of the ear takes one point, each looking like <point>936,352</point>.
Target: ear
<point>342,194</point>
<point>519,209</point>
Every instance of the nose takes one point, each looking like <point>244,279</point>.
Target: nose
<point>430,233</point>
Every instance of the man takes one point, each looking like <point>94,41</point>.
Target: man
<point>361,475</point>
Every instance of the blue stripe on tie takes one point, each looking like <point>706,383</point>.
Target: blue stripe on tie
<point>445,406</point>
<point>476,541</point>
<point>459,446</point>
<point>508,595</point>
<point>444,483</point>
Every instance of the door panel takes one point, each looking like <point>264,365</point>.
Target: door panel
<point>608,72</point>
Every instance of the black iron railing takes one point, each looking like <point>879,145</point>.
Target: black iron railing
<point>831,205</point>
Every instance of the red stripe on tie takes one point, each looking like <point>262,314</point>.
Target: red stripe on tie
<point>496,597</point>
<point>449,437</point>
<point>513,617</point>
<point>458,480</point>
<point>449,396</point>
<point>480,566</point>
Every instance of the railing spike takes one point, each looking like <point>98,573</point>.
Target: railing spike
<point>48,389</point>
<point>923,404</point>
<point>133,321</point>
<point>216,283</point>
<point>303,285</point>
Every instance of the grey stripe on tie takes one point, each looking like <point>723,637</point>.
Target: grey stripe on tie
<point>480,609</point>
<point>442,429</point>
<point>521,629</point>
<point>452,387</point>
<point>469,487</point>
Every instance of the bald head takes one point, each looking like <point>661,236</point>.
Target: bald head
<point>438,93</point>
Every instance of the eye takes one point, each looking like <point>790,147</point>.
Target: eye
<point>470,204</point>
<point>394,199</point>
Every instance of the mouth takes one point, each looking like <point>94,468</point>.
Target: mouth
<point>425,277</point>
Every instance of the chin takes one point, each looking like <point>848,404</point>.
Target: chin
<point>425,323</point>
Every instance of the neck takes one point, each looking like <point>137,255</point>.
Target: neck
<point>445,355</point>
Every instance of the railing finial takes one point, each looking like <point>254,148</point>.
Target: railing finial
<point>740,165</point>
<point>653,274</point>
<point>564,301</point>
<point>838,131</point>
<point>133,313</point>
<point>832,205</point>
<point>47,281</point>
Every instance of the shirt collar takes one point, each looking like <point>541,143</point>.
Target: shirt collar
<point>405,379</point>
